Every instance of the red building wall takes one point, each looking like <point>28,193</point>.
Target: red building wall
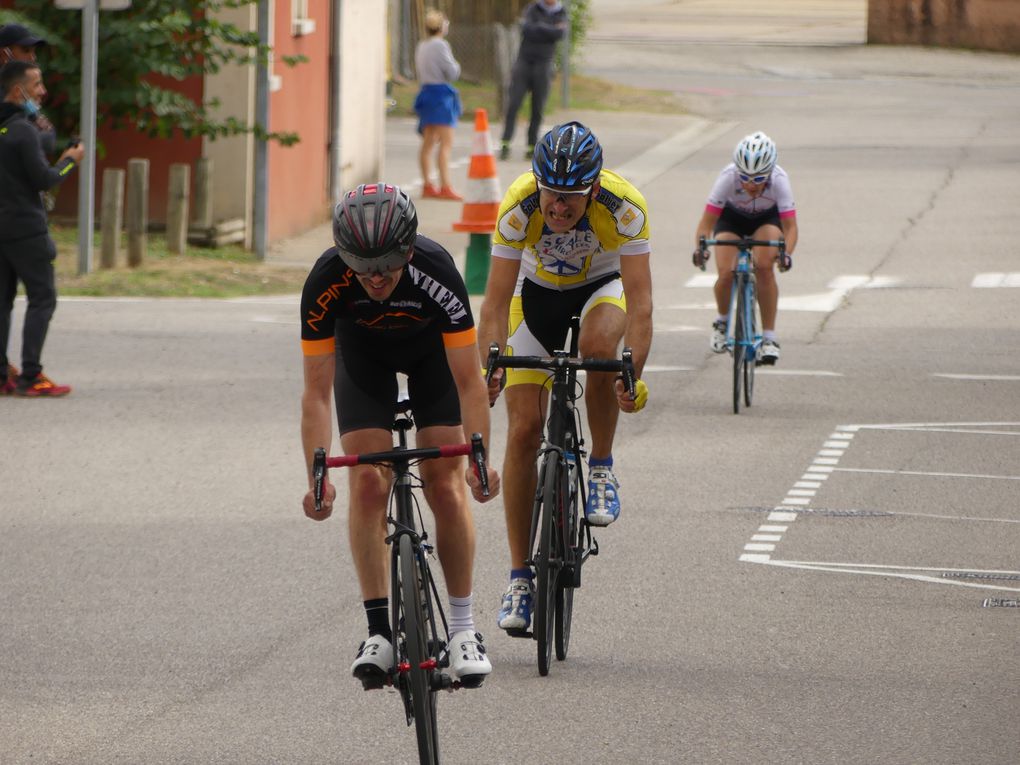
<point>298,195</point>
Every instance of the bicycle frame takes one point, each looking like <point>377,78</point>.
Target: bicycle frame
<point>419,648</point>
<point>560,542</point>
<point>743,339</point>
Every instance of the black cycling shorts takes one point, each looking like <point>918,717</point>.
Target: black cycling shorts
<point>733,221</point>
<point>365,386</point>
<point>548,312</point>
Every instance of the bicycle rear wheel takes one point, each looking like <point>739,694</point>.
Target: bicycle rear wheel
<point>739,349</point>
<point>416,634</point>
<point>570,537</point>
<point>751,360</point>
<point>547,563</point>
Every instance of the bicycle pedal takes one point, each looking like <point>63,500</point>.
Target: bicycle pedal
<point>519,633</point>
<point>372,680</point>
<point>472,681</point>
<point>765,362</point>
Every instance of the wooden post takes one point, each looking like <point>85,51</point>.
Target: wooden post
<point>112,213</point>
<point>137,211</point>
<point>177,208</point>
<point>202,213</point>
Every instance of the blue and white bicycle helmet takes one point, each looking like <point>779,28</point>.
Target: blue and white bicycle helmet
<point>755,154</point>
<point>568,158</point>
<point>374,228</point>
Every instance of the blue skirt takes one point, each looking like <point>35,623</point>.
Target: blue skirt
<point>437,105</point>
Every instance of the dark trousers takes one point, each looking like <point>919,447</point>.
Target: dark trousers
<point>30,261</point>
<point>527,76</point>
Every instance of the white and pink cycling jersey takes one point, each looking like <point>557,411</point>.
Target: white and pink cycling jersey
<point>729,191</point>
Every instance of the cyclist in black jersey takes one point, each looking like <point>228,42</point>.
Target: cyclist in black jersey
<point>387,300</point>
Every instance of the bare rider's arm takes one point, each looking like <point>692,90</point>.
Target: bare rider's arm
<point>789,225</point>
<point>317,425</point>
<point>317,406</point>
<point>474,408</point>
<point>635,270</point>
<point>493,319</point>
<point>705,226</point>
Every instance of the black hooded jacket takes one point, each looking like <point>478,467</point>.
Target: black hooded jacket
<point>24,173</point>
<point>541,29</point>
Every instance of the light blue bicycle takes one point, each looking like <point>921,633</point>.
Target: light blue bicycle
<point>743,339</point>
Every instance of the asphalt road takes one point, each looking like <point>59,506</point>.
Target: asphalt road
<point>825,578</point>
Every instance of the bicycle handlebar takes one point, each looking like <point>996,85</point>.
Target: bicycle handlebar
<point>321,463</point>
<point>624,365</point>
<point>785,260</point>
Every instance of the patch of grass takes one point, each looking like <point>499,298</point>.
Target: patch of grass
<point>588,93</point>
<point>222,272</point>
<point>232,271</point>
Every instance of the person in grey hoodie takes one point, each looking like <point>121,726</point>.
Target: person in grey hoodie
<point>543,24</point>
<point>26,249</point>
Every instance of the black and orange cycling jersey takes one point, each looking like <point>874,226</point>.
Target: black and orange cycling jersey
<point>430,297</point>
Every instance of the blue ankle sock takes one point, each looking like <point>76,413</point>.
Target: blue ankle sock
<point>595,462</point>
<point>522,573</point>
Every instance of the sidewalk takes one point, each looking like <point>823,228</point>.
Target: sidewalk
<point>625,138</point>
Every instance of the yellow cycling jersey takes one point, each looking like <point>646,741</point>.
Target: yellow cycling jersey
<point>615,225</point>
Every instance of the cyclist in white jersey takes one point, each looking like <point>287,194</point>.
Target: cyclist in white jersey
<point>751,198</point>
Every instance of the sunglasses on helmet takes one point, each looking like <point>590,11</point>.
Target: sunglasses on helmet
<point>563,192</point>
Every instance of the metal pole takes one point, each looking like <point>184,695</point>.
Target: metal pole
<point>565,71</point>
<point>261,147</point>
<point>87,171</point>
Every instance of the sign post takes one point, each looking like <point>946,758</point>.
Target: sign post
<point>87,172</point>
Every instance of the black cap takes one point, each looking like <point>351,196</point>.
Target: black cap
<point>16,34</point>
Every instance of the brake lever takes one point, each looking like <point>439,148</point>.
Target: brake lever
<point>318,477</point>
<point>478,458</point>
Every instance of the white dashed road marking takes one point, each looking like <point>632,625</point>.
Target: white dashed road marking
<point>768,535</point>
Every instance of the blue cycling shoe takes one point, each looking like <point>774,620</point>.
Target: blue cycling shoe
<point>603,501</point>
<point>515,613</point>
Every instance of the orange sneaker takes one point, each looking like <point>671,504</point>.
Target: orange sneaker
<point>447,193</point>
<point>41,386</point>
<point>9,382</point>
<point>428,190</point>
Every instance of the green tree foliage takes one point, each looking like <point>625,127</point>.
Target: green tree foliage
<point>143,52</point>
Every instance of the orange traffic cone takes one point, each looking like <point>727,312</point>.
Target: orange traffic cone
<point>481,206</point>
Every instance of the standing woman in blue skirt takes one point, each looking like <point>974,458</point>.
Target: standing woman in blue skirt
<point>438,103</point>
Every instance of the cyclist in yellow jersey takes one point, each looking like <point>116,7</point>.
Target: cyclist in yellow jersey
<point>571,239</point>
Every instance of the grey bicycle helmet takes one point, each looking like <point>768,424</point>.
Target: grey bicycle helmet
<point>569,157</point>
<point>374,228</point>
<point>755,154</point>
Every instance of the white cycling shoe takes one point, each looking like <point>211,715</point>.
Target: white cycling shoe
<point>468,660</point>
<point>374,662</point>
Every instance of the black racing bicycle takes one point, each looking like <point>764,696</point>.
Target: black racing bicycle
<point>561,539</point>
<point>418,622</point>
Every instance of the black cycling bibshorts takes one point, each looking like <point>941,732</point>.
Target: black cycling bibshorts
<point>548,312</point>
<point>365,386</point>
<point>733,221</point>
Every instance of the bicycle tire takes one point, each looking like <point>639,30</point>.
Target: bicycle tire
<point>419,685</point>
<point>565,585</point>
<point>739,350</point>
<point>546,572</point>
<point>750,364</point>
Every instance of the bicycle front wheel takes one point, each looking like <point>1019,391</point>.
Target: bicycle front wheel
<point>416,633</point>
<point>547,562</point>
<point>564,605</point>
<point>739,349</point>
<point>751,359</point>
